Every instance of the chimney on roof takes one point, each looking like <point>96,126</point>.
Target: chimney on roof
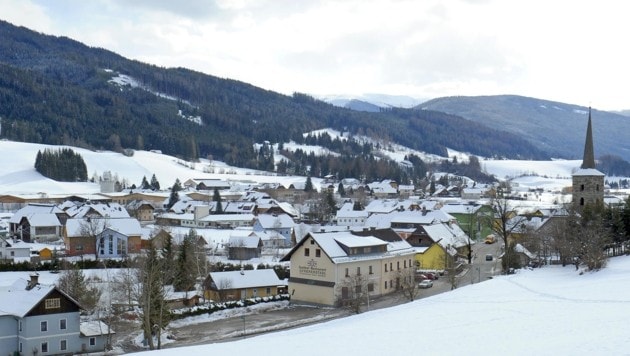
<point>33,281</point>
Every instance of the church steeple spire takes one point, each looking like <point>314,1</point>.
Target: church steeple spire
<point>589,155</point>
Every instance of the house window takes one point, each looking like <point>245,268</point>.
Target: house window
<point>390,267</point>
<point>62,324</point>
<point>582,187</point>
<point>53,303</point>
<point>268,291</point>
<point>318,253</point>
<point>43,326</point>
<point>385,284</point>
<point>370,268</point>
<point>386,267</point>
<point>398,265</point>
<point>405,264</point>
<point>312,242</point>
<point>370,287</point>
<point>79,247</point>
<point>307,252</point>
<point>20,328</point>
<point>358,271</point>
<point>12,253</point>
<point>92,341</point>
<point>63,345</point>
<point>44,347</point>
<point>347,273</point>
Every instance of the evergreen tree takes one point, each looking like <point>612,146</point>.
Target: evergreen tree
<point>72,281</point>
<point>174,197</point>
<point>341,190</point>
<point>155,185</point>
<point>62,165</point>
<point>168,255</point>
<point>145,184</point>
<point>185,273</point>
<point>308,187</point>
<point>216,197</point>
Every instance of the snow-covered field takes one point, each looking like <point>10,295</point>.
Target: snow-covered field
<point>18,175</point>
<point>547,311</point>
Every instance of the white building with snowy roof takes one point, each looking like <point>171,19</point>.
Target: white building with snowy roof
<point>326,268</point>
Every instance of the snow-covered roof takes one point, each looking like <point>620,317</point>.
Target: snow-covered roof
<point>413,217</point>
<point>94,328</point>
<point>43,220</point>
<point>352,214</point>
<point>352,241</point>
<point>521,249</point>
<point>18,301</point>
<point>125,226</point>
<point>383,206</point>
<point>246,279</point>
<point>588,172</point>
<point>244,241</point>
<point>279,221</point>
<point>174,216</point>
<point>227,217</point>
<point>455,208</point>
<point>111,210</point>
<point>32,209</point>
<point>447,235</point>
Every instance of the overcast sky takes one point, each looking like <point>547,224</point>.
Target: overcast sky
<point>576,51</point>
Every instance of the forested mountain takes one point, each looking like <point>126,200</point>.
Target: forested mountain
<point>556,128</point>
<point>58,91</point>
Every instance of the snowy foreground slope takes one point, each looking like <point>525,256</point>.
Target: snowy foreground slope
<point>548,311</point>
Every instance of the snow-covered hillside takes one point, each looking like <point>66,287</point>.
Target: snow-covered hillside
<point>18,175</point>
<point>547,311</point>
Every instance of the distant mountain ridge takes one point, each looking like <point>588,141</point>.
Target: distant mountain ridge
<point>58,91</point>
<point>556,128</point>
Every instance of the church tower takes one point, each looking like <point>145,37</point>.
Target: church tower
<point>588,182</point>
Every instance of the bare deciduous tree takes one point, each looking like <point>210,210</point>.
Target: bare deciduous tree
<point>353,291</point>
<point>92,228</point>
<point>505,221</point>
<point>408,286</point>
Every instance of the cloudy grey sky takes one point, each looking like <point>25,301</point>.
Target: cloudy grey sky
<point>573,51</point>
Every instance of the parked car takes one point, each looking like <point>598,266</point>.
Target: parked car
<point>489,257</point>
<point>490,239</point>
<point>432,276</point>
<point>427,283</point>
